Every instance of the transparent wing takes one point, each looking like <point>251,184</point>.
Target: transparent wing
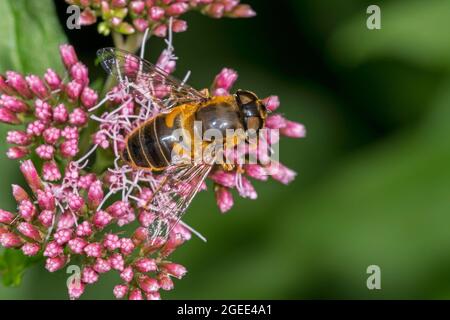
<point>174,195</point>
<point>146,81</point>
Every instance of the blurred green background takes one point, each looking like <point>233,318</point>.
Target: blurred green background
<point>373,183</point>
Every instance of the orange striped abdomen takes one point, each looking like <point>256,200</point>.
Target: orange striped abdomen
<point>150,145</point>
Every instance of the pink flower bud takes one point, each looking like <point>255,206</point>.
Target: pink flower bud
<point>89,275</point>
<point>247,190</point>
<point>174,269</point>
<point>281,173</point>
<point>116,261</point>
<point>69,148</point>
<point>6,116</point>
<point>79,72</point>
<point>27,210</point>
<point>146,218</point>
<point>84,229</point>
<point>45,151</point>
<point>243,11</point>
<point>46,218</point>
<point>156,13</point>
<point>145,265</point>
<point>52,79</point>
<point>225,79</point>
<point>272,103</point>
<point>19,193</point>
<point>111,242</point>
<point>126,246</point>
<point>37,86</point>
<point>31,175</point>
<point>17,81</point>
<point>46,200</point>
<point>50,171</point>
<point>127,274</point>
<point>18,137</point>
<point>179,25</point>
<point>53,250</point>
<point>66,220</point>
<point>119,3</point>
<point>77,245</point>
<point>160,31</point>
<point>75,289</point>
<point>256,171</point>
<point>36,128</point>
<point>101,219</point>
<point>165,282</point>
<point>140,235</point>
<point>120,291</point>
<point>89,97</point>
<point>148,284</point>
<point>215,10</point>
<point>86,181</point>
<point>54,264</point>
<point>70,133</point>
<point>275,121</point>
<point>224,199</point>
<point>294,130</point>
<point>10,240</point>
<point>101,265</point>
<point>29,231</point>
<point>153,296</point>
<point>140,24</point>
<point>16,152</point>
<point>6,217</point>
<point>62,236</point>
<point>135,294</point>
<point>118,209</point>
<point>87,17</point>
<point>51,135</point>
<point>73,90</point>
<point>60,113</point>
<point>68,55</point>
<point>30,249</point>
<point>43,111</point>
<point>78,117</point>
<point>100,139</point>
<point>4,87</point>
<point>177,9</point>
<point>226,179</point>
<point>137,7</point>
<point>93,250</point>
<point>13,104</point>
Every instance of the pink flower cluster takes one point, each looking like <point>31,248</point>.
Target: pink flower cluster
<point>66,221</point>
<point>131,16</point>
<point>70,212</point>
<point>52,110</point>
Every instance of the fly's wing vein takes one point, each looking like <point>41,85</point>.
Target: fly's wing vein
<point>146,81</point>
<point>174,195</point>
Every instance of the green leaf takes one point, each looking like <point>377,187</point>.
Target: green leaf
<point>31,34</point>
<point>13,264</point>
<point>413,31</point>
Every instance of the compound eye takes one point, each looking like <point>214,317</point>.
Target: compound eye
<point>245,97</point>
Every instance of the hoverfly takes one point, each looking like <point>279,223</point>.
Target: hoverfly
<point>150,145</point>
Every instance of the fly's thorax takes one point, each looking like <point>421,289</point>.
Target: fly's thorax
<point>219,114</point>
